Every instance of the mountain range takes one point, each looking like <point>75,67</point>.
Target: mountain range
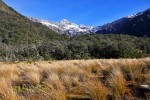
<point>26,38</point>
<point>136,24</point>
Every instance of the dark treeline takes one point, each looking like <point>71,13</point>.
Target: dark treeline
<point>79,47</point>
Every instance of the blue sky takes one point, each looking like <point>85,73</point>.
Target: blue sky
<point>88,12</point>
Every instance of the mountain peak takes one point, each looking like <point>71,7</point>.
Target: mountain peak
<point>65,21</point>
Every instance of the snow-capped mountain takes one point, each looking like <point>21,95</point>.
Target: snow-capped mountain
<point>65,27</point>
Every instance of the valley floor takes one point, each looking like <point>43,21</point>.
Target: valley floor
<point>99,79</point>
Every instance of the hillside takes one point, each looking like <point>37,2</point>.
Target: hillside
<point>136,25</point>
<point>17,29</point>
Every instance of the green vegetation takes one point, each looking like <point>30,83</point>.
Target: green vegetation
<point>79,47</point>
<point>24,40</point>
<point>16,30</point>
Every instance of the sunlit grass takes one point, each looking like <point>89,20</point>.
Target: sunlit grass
<point>95,89</point>
<point>118,83</point>
<point>6,91</point>
<point>58,80</point>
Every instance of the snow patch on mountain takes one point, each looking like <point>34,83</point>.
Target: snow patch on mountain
<point>138,14</point>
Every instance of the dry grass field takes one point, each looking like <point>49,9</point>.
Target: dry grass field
<point>113,79</point>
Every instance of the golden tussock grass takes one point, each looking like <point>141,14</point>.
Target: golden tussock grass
<point>98,79</point>
<point>6,91</point>
<point>117,83</point>
<point>95,89</point>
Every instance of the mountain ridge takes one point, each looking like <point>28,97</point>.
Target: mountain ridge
<point>126,25</point>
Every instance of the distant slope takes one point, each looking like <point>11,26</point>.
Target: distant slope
<point>17,29</point>
<point>137,25</point>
